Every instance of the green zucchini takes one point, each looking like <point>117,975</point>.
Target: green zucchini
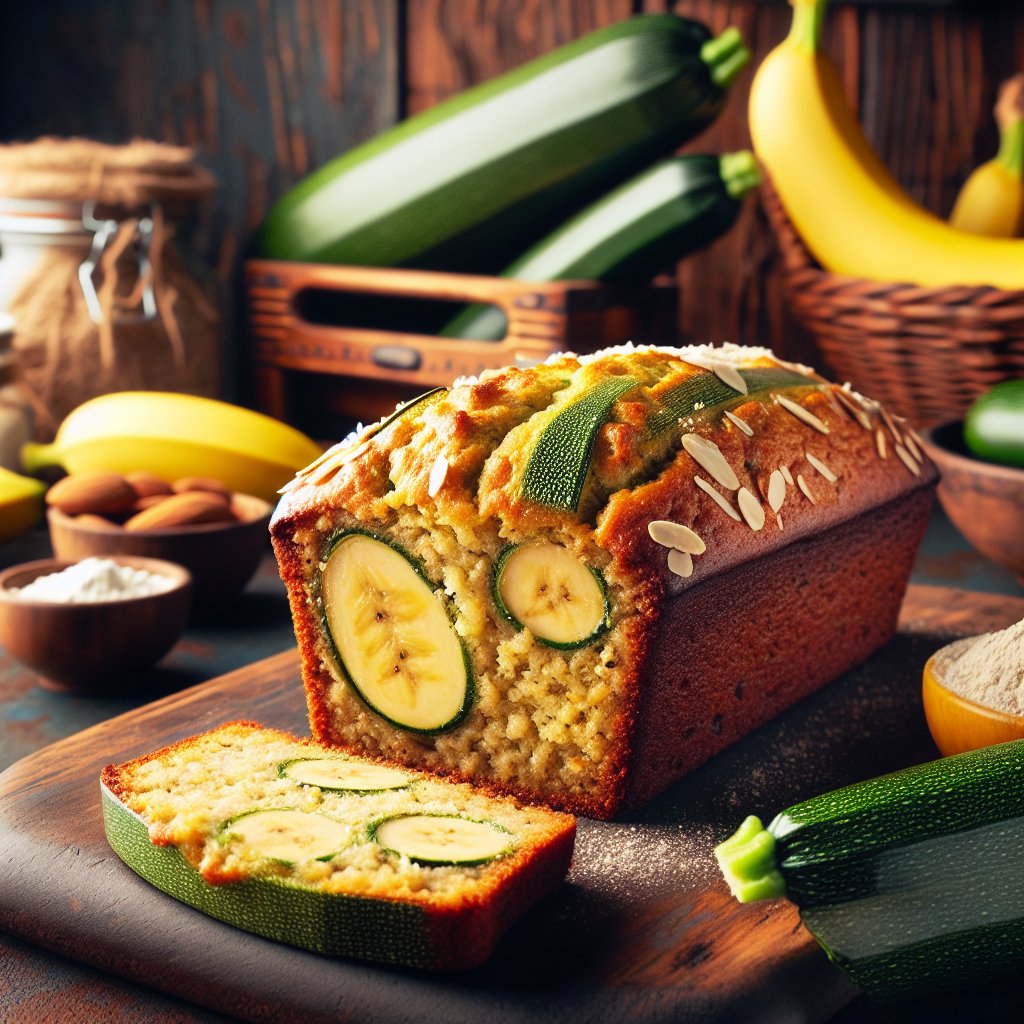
<point>626,238</point>
<point>558,466</point>
<point>994,424</point>
<point>707,391</point>
<point>420,402</point>
<point>911,881</point>
<point>475,180</point>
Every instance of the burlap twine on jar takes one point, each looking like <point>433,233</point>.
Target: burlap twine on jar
<point>65,357</point>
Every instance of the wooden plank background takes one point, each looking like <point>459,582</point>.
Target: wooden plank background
<point>267,90</point>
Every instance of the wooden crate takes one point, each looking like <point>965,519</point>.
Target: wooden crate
<point>317,374</point>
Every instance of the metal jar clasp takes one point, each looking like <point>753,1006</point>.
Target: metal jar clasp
<point>103,232</point>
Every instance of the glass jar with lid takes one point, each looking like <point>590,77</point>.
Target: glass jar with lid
<point>92,270</point>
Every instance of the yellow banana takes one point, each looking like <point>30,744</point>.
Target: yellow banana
<point>175,435</point>
<point>851,221</point>
<point>21,504</point>
<point>991,201</point>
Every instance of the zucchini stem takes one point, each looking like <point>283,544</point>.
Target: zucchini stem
<point>747,860</point>
<point>739,172</point>
<point>726,56</point>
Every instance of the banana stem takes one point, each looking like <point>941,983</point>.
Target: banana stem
<point>35,456</point>
<point>1011,148</point>
<point>726,56</point>
<point>739,172</point>
<point>808,20</point>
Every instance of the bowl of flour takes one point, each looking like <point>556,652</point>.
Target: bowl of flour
<point>973,691</point>
<point>94,624</point>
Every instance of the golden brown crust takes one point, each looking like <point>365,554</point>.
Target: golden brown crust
<point>806,458</point>
<point>864,480</point>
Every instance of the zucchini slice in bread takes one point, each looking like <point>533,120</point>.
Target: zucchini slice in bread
<point>332,773</point>
<point>464,864</point>
<point>442,838</point>
<point>392,635</point>
<point>285,835</point>
<point>545,588</point>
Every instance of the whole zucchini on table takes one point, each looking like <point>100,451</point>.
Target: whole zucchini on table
<point>912,882</point>
<point>627,237</point>
<point>472,182</point>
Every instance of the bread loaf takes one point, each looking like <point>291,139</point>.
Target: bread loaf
<point>578,581</point>
<point>332,853</point>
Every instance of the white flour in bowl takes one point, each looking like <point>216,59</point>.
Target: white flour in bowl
<point>92,580</point>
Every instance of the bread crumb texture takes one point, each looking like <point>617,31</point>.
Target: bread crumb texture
<point>190,792</point>
<point>549,723</point>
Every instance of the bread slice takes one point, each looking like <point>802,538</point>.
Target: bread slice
<point>329,852</point>
<point>580,580</point>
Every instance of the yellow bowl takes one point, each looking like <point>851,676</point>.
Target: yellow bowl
<point>957,723</point>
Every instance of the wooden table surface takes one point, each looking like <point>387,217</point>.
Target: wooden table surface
<point>39,986</point>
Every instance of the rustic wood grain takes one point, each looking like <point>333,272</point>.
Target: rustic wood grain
<point>271,89</point>
<point>266,91</point>
<point>452,44</point>
<point>644,929</point>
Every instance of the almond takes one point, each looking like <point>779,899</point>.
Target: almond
<point>148,501</point>
<point>99,492</point>
<point>207,484</point>
<point>146,484</point>
<point>242,507</point>
<point>96,522</point>
<point>187,509</point>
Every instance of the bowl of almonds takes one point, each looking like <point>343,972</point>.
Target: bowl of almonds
<point>218,535</point>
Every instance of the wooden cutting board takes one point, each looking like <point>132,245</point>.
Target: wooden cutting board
<point>644,930</point>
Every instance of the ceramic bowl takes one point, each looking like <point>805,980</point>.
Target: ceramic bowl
<point>985,501</point>
<point>957,723</point>
<point>222,557</point>
<point>92,646</point>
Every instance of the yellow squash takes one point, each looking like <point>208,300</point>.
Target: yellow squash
<point>846,207</point>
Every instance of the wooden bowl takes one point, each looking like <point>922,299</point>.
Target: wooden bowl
<point>957,723</point>
<point>92,646</point>
<point>985,501</point>
<point>222,557</point>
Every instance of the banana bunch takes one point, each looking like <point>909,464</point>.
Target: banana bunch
<point>174,435</point>
<point>991,201</point>
<point>845,205</point>
<point>21,504</point>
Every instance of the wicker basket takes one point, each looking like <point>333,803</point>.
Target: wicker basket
<point>926,353</point>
